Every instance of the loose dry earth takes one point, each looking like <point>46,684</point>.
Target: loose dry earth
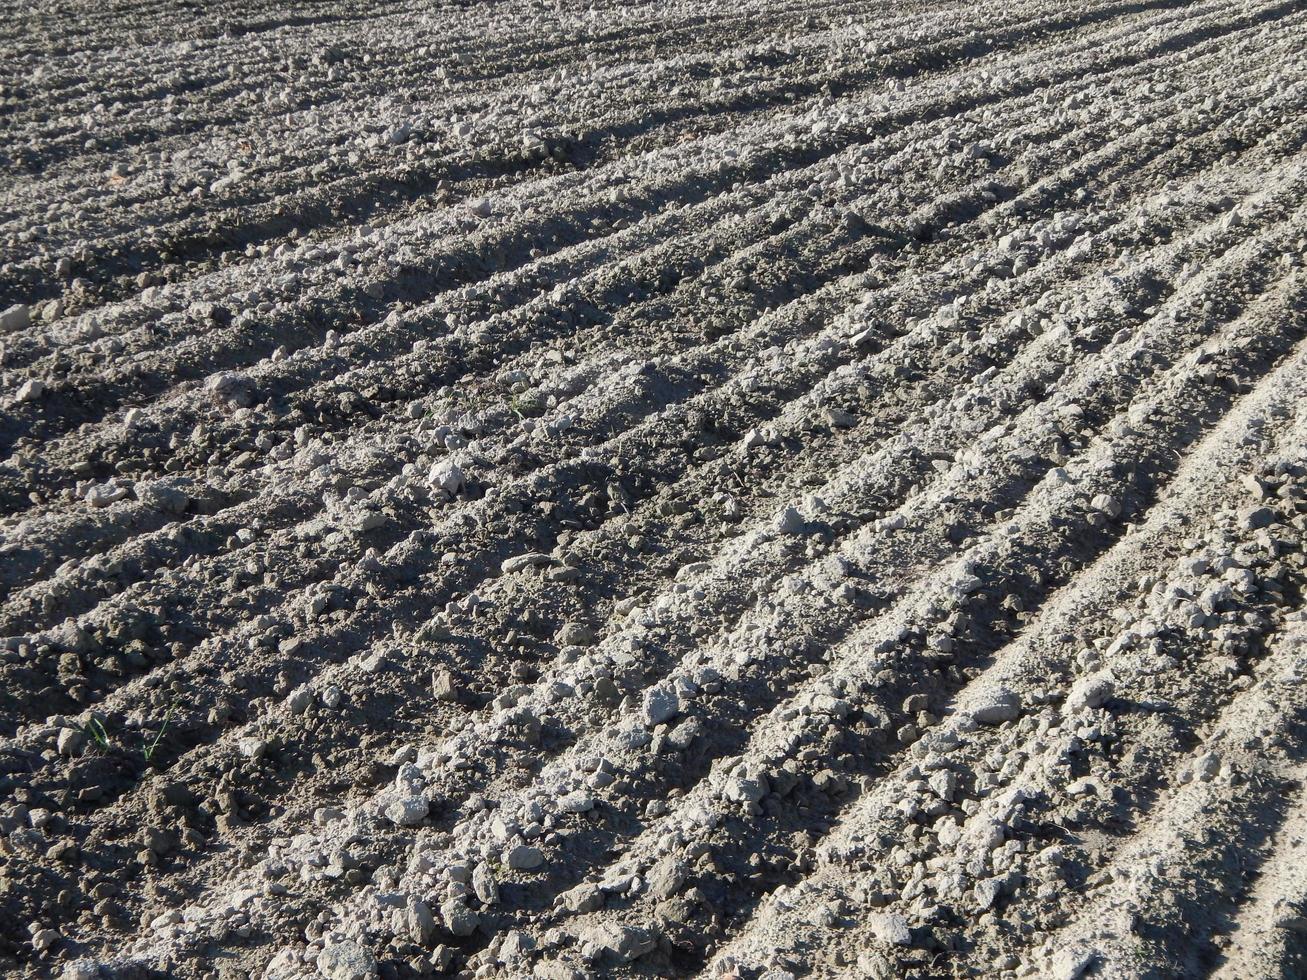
<point>754,489</point>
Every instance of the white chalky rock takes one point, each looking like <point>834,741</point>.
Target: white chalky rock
<point>623,943</point>
<point>83,969</point>
<point>1207,767</point>
<point>459,919</point>
<point>169,918</point>
<point>1071,964</point>
<point>524,857</point>
<point>443,687</point>
<point>515,946</point>
<point>16,317</point>
<point>584,898</point>
<point>232,388</point>
<point>347,961</point>
<point>298,701</point>
<point>892,928</point>
<point>31,390</point>
<point>745,789</point>
<point>987,892</point>
<point>419,923</point>
<point>484,886</point>
<point>997,707</point>
<point>159,496</point>
<point>575,634</point>
<point>1090,692</point>
<point>1106,504</point>
<point>531,559</point>
<point>410,780</point>
<point>661,703</point>
<point>105,494</point>
<point>70,741</point>
<point>790,521</point>
<point>577,802</point>
<point>408,811</point>
<point>447,476</point>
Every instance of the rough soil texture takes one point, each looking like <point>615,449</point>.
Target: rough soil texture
<point>751,489</point>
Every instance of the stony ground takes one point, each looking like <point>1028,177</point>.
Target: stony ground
<point>746,489</point>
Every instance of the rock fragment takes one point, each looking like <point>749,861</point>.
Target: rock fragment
<point>447,476</point>
<point>230,388</point>
<point>30,390</point>
<point>443,686</point>
<point>104,494</point>
<point>575,634</point>
<point>16,317</point>
<point>532,559</point>
<point>1106,504</point>
<point>484,885</point>
<point>70,741</point>
<point>623,943</point>
<point>661,703</point>
<point>458,918</point>
<point>1256,518</point>
<point>347,961</point>
<point>408,811</point>
<point>420,923</point>
<point>45,939</point>
<point>997,707</point>
<point>891,928</point>
<point>524,857</point>
<point>82,969</point>
<point>790,521</point>
<point>1090,692</point>
<point>583,898</point>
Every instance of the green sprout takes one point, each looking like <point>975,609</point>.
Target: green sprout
<point>95,729</point>
<point>149,749</point>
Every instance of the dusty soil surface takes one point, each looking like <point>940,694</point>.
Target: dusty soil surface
<point>744,489</point>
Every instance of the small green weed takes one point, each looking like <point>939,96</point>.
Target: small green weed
<point>96,732</point>
<point>154,744</point>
